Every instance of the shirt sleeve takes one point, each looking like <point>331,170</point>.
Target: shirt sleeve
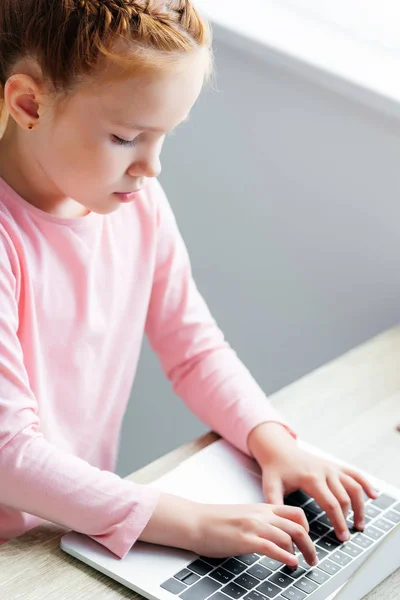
<point>204,370</point>
<point>37,477</point>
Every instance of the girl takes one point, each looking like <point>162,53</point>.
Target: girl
<point>91,258</point>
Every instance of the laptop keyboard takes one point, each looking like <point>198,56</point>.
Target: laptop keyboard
<point>255,577</point>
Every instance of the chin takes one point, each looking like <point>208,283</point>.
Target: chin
<point>105,210</point>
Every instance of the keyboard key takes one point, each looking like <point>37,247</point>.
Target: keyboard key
<point>351,550</point>
<point>318,576</point>
<point>281,579</point>
<point>233,590</point>
<point>247,581</point>
<point>295,574</point>
<point>253,595</point>
<point>259,571</point>
<point>221,575</point>
<point>314,507</point>
<point>325,520</point>
<point>384,501</point>
<point>371,511</point>
<point>191,579</point>
<point>187,577</point>
<point>393,516</point>
<point>201,590</point>
<point>362,540</point>
<point>321,553</point>
<point>293,594</point>
<point>329,567</point>
<point>215,562</point>
<point>310,514</point>
<point>373,533</point>
<point>174,586</point>
<point>219,596</point>
<point>318,528</point>
<point>397,507</point>
<point>248,559</point>
<point>313,536</point>
<point>200,567</point>
<point>268,589</point>
<point>270,563</point>
<point>302,563</point>
<point>383,524</point>
<point>234,566</point>
<point>306,585</point>
<point>298,498</point>
<point>328,544</point>
<point>340,558</point>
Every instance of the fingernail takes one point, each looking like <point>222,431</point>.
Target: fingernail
<point>315,561</point>
<point>361,525</point>
<point>344,536</point>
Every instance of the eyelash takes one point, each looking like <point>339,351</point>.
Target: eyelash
<point>126,143</point>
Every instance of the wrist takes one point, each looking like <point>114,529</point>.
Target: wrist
<point>175,522</point>
<point>264,440</point>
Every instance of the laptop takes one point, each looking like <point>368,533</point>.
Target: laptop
<point>220,473</point>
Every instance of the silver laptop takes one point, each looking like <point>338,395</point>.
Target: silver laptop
<point>222,474</point>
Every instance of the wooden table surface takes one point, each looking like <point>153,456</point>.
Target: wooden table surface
<point>355,400</point>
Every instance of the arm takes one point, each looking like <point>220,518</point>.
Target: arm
<point>203,368</point>
<point>37,477</point>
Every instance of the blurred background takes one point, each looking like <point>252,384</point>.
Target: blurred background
<point>285,185</point>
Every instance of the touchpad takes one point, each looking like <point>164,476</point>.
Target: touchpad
<point>218,474</point>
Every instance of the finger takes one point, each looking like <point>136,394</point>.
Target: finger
<point>361,480</point>
<point>294,514</point>
<point>328,502</point>
<point>268,548</point>
<point>300,537</point>
<point>273,491</point>
<point>340,493</point>
<point>355,492</point>
<point>279,537</point>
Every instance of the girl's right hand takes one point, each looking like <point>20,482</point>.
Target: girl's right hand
<point>225,530</point>
<point>266,529</point>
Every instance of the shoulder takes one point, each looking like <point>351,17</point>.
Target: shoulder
<point>10,261</point>
<point>9,234</point>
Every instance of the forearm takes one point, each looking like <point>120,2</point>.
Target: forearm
<point>45,481</point>
<point>264,440</point>
<point>173,523</point>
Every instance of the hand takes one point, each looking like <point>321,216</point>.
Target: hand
<point>234,529</point>
<point>286,468</point>
<point>219,530</point>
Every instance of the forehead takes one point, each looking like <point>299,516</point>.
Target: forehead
<point>158,99</point>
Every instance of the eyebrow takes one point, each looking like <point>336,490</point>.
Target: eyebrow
<point>137,127</point>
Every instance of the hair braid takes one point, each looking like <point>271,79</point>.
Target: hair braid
<point>70,38</point>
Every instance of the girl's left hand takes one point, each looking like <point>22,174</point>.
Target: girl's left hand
<point>286,468</point>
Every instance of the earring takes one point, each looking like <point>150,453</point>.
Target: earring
<point>30,126</point>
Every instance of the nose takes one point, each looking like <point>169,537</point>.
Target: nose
<point>149,167</point>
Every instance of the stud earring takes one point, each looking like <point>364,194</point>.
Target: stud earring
<point>30,126</point>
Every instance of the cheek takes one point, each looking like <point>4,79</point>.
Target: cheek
<point>81,154</point>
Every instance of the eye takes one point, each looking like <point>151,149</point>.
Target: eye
<point>121,142</point>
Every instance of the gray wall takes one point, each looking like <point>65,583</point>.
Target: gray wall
<point>288,198</point>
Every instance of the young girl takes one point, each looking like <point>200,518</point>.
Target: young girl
<point>91,259</point>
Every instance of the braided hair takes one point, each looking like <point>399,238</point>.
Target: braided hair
<point>73,40</point>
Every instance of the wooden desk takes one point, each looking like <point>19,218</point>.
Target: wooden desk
<point>356,402</point>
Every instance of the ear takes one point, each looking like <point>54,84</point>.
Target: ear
<point>22,96</point>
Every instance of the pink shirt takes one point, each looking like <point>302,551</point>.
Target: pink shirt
<point>76,297</point>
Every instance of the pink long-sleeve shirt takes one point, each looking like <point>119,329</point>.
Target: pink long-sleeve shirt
<point>76,297</point>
